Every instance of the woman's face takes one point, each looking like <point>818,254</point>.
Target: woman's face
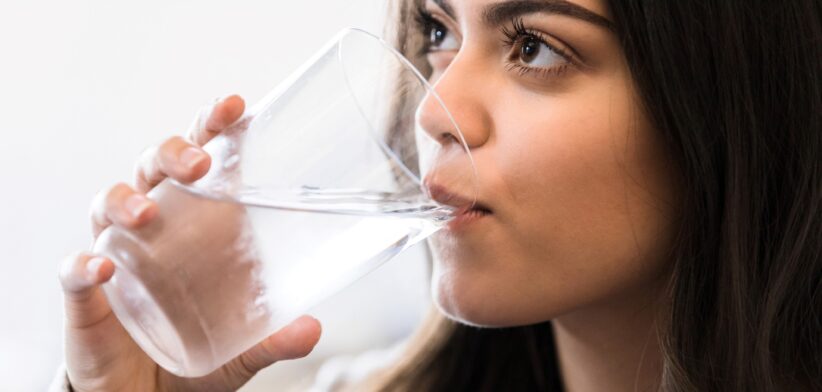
<point>580,188</point>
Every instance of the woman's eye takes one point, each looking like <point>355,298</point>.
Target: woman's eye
<point>439,38</point>
<point>536,53</point>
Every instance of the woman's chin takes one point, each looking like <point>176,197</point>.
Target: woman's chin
<point>476,307</point>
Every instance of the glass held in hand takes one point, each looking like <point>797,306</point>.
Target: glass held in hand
<point>322,181</point>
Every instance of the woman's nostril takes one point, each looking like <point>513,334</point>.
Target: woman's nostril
<point>446,138</point>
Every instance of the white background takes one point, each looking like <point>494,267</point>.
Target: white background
<point>85,86</point>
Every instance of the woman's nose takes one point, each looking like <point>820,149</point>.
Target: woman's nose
<point>452,170</point>
<point>459,89</point>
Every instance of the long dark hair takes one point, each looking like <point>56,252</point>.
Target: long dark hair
<point>735,87</point>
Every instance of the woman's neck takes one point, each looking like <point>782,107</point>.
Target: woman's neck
<point>612,346</point>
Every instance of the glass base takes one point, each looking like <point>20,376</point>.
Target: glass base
<point>145,321</point>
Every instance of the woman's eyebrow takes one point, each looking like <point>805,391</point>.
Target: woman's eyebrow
<point>498,13</point>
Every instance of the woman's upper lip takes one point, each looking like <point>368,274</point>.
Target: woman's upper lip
<point>442,195</point>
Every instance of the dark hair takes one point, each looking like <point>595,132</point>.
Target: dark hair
<point>735,87</point>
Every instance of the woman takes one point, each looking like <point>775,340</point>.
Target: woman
<point>652,201</point>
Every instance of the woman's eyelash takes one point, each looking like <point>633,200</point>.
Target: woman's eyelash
<point>424,22</point>
<point>518,32</point>
<point>516,36</point>
<point>523,70</point>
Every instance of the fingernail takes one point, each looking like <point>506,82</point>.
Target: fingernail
<point>136,204</point>
<point>93,266</point>
<point>191,157</point>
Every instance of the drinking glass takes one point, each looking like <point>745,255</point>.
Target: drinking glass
<point>320,182</point>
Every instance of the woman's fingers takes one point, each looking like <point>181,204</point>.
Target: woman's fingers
<point>80,275</point>
<point>120,205</point>
<point>183,159</point>
<point>216,118</point>
<point>295,340</point>
<point>176,158</point>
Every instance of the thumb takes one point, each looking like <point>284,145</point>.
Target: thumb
<point>293,341</point>
<point>80,275</point>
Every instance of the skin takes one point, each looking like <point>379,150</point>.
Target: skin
<point>579,186</point>
<point>100,355</point>
<point>580,189</point>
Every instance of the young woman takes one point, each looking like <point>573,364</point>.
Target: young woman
<point>652,205</point>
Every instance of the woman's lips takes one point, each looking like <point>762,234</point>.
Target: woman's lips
<point>468,217</point>
<point>442,195</point>
<point>468,211</point>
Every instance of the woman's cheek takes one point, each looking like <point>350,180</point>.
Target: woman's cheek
<point>566,173</point>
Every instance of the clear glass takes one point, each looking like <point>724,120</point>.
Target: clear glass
<point>322,181</point>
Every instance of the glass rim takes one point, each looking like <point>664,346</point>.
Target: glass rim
<point>286,85</point>
<point>337,39</point>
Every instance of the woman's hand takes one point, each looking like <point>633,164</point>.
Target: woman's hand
<point>100,355</point>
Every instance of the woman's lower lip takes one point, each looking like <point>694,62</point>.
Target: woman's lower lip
<point>468,218</point>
